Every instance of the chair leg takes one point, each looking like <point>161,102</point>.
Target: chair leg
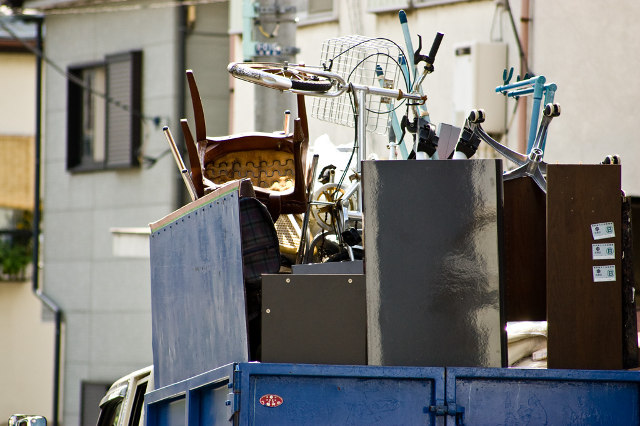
<point>198,111</point>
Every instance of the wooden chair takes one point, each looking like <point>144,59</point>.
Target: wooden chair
<point>275,163</point>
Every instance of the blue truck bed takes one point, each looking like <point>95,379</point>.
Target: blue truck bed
<point>304,394</point>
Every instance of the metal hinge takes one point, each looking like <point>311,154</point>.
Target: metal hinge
<point>233,397</point>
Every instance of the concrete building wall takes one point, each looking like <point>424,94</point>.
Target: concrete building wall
<point>105,299</point>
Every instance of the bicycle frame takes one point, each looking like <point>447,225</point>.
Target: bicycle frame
<point>533,86</point>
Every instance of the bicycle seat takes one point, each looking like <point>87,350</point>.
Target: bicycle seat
<point>274,162</point>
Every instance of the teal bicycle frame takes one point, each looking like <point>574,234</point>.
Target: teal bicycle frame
<point>532,86</point>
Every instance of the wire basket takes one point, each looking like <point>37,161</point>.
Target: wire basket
<point>357,59</point>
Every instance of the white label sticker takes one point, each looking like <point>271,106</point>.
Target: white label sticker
<point>604,273</point>
<point>602,230</point>
<point>603,251</point>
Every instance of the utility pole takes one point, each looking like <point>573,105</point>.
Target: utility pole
<point>270,36</point>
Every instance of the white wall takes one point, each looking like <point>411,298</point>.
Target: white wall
<point>590,50</point>
<point>26,378</point>
<point>17,86</point>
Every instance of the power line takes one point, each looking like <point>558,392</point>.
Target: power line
<point>128,7</point>
<point>76,80</point>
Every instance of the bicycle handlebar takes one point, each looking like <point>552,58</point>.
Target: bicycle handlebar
<point>431,57</point>
<point>435,46</point>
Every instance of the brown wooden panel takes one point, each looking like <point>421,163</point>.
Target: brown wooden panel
<point>314,319</point>
<point>584,316</point>
<point>525,250</point>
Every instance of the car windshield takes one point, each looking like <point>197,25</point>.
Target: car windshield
<point>110,412</point>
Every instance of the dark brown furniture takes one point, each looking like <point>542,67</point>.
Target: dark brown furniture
<point>551,271</point>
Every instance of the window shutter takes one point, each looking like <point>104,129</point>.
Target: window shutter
<point>124,89</point>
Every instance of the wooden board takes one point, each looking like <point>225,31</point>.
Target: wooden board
<point>197,289</point>
<point>314,319</point>
<point>584,314</point>
<point>525,237</point>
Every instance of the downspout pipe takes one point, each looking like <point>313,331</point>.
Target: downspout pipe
<point>181,55</point>
<point>524,64</point>
<point>47,301</point>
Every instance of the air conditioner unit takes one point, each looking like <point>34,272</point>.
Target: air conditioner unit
<point>478,68</point>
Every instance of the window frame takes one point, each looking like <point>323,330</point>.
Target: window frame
<point>122,104</point>
<point>306,18</point>
<point>381,6</point>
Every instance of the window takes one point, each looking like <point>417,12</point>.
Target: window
<point>386,5</point>
<point>315,11</point>
<point>103,116</point>
<point>395,5</point>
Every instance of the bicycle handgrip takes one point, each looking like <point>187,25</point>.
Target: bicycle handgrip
<point>435,46</point>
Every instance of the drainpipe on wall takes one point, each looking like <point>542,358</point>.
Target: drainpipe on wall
<point>57,311</point>
<point>181,192</point>
<point>522,107</point>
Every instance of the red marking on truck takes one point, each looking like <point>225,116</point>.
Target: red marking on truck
<point>270,400</point>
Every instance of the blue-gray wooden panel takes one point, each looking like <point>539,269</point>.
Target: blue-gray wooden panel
<point>197,292</point>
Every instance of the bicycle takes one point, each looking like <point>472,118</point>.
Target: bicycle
<point>530,164</point>
<point>343,206</point>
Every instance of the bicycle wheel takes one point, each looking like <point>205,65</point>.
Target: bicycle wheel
<point>324,212</point>
<point>279,76</point>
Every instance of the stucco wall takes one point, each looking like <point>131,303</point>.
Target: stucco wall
<point>589,50</point>
<point>26,377</point>
<point>17,85</point>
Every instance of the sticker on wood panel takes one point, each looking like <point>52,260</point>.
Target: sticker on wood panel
<point>604,273</point>
<point>603,251</point>
<point>602,230</point>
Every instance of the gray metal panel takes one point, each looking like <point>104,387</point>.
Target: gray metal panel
<point>314,319</point>
<point>432,234</point>
<point>197,292</point>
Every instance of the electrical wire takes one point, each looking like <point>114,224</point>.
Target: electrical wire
<point>495,18</point>
<point>524,64</point>
<point>128,7</point>
<point>76,80</point>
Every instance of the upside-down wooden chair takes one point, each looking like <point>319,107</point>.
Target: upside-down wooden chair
<point>274,162</point>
